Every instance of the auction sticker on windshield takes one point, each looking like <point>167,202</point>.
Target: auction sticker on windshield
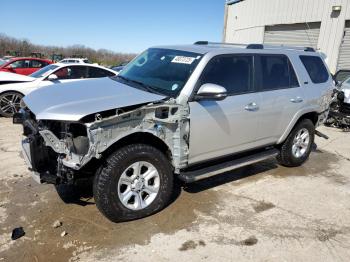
<point>183,60</point>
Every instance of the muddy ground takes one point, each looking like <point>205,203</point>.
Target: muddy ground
<point>263,212</point>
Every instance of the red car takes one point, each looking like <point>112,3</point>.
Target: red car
<point>23,65</point>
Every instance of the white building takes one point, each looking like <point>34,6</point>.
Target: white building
<point>321,24</point>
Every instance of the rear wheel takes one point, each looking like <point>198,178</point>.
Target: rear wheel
<point>10,103</point>
<point>136,181</point>
<point>297,147</point>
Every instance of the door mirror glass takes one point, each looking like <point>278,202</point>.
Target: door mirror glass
<point>52,77</point>
<point>341,76</point>
<point>211,92</point>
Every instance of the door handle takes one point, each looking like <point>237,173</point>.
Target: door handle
<point>251,107</point>
<point>296,100</point>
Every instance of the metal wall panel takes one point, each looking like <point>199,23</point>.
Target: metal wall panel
<point>344,52</point>
<point>246,21</point>
<point>303,34</point>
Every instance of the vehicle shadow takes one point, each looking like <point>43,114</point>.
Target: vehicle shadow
<point>247,172</point>
<point>82,194</point>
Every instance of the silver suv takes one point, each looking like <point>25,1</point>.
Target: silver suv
<point>186,112</point>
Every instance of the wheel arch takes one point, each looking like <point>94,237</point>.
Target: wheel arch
<point>147,138</point>
<point>12,91</point>
<point>312,115</point>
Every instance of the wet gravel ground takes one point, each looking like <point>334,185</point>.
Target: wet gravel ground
<point>263,212</point>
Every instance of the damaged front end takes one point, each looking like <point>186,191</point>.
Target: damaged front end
<point>62,152</point>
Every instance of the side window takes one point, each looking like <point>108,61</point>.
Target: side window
<point>78,72</point>
<point>62,73</point>
<point>315,68</point>
<point>277,73</point>
<point>234,72</point>
<point>72,72</point>
<point>37,64</point>
<point>27,63</point>
<point>95,72</point>
<point>17,64</point>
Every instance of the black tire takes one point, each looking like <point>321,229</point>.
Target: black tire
<point>286,156</point>
<point>105,186</point>
<point>7,110</point>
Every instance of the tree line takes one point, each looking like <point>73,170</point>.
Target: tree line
<point>22,47</point>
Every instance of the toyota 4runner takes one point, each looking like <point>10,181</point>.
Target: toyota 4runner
<point>188,112</point>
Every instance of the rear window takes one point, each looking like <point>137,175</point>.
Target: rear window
<point>315,68</point>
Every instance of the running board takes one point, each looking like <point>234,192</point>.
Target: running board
<point>199,174</point>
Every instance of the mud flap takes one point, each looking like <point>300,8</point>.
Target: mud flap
<point>318,133</point>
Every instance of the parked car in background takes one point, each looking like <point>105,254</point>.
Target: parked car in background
<point>23,65</point>
<point>119,67</point>
<point>189,111</point>
<point>75,60</point>
<point>11,94</point>
<point>339,115</point>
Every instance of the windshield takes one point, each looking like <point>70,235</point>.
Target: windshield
<point>163,70</point>
<point>44,71</point>
<point>2,62</point>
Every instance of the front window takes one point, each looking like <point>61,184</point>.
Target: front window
<point>2,62</point>
<point>164,71</point>
<point>45,71</point>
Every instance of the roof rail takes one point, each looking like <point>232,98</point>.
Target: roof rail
<point>258,46</point>
<point>218,43</point>
<point>285,47</point>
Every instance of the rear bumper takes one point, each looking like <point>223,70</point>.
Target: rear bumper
<point>28,160</point>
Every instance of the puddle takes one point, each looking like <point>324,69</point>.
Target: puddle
<point>37,207</point>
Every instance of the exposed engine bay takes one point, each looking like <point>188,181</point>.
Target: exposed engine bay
<point>62,152</point>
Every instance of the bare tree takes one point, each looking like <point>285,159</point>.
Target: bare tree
<point>23,47</point>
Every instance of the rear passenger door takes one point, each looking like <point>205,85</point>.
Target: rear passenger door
<point>219,128</point>
<point>281,96</point>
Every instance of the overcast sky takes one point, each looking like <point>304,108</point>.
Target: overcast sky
<point>118,25</point>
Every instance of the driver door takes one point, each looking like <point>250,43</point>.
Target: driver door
<point>219,128</point>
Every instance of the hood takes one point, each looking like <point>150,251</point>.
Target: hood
<point>73,101</point>
<point>7,78</point>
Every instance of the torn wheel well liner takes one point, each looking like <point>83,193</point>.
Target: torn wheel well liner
<point>143,138</point>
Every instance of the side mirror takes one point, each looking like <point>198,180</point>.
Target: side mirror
<point>211,92</point>
<point>52,77</point>
<point>10,67</point>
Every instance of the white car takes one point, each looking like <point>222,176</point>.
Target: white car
<point>10,78</point>
<point>11,94</point>
<point>75,60</point>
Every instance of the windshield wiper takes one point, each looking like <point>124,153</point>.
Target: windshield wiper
<point>147,87</point>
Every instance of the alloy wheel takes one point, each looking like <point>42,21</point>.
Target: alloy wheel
<point>138,185</point>
<point>301,143</point>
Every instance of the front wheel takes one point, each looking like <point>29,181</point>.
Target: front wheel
<point>297,147</point>
<point>136,181</point>
<point>10,103</point>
